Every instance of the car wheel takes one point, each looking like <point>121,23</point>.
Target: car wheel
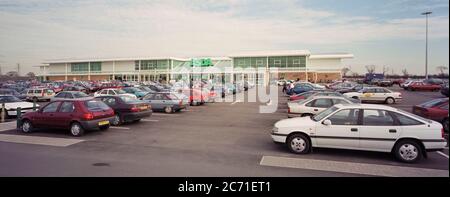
<point>445,125</point>
<point>138,120</point>
<point>168,109</point>
<point>27,127</point>
<point>76,129</point>
<point>408,151</point>
<point>390,101</point>
<point>117,120</point>
<point>298,144</point>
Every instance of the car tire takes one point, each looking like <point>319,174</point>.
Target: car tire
<point>445,125</point>
<point>117,120</point>
<point>76,129</point>
<point>168,109</point>
<point>137,120</point>
<point>408,151</point>
<point>298,144</point>
<point>390,101</point>
<point>27,126</point>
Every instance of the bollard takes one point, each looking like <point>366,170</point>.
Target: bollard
<point>19,117</point>
<point>3,113</point>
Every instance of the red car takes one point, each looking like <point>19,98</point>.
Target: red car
<point>301,96</point>
<point>436,110</point>
<point>197,97</point>
<point>109,86</point>
<point>423,86</point>
<point>76,115</point>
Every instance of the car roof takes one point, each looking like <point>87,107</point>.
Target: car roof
<point>365,106</point>
<point>327,97</point>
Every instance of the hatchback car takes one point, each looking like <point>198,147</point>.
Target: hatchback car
<point>362,127</point>
<point>315,105</point>
<point>376,94</point>
<point>12,103</point>
<point>76,115</point>
<point>126,109</point>
<point>164,101</point>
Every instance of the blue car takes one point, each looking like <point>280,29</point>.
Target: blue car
<point>136,91</point>
<point>299,88</point>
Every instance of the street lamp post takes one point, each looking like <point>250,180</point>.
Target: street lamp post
<point>426,44</point>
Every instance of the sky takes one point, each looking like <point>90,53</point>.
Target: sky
<point>383,32</point>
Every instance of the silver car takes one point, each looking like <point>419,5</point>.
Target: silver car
<point>70,95</point>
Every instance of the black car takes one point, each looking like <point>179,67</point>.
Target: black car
<point>444,89</point>
<point>127,109</point>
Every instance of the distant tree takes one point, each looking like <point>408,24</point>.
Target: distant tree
<point>442,70</point>
<point>385,70</point>
<point>12,74</point>
<point>31,75</point>
<point>355,74</point>
<point>405,72</point>
<point>370,69</point>
<point>345,71</point>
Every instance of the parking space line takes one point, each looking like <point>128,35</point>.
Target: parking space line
<point>235,102</point>
<point>442,154</point>
<point>149,120</point>
<point>48,141</point>
<point>161,114</point>
<point>351,167</point>
<point>121,128</point>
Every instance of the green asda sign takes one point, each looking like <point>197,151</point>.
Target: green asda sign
<point>201,62</point>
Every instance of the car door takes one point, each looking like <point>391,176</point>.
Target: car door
<point>379,130</point>
<point>318,105</point>
<point>65,114</point>
<point>47,117</point>
<point>343,131</point>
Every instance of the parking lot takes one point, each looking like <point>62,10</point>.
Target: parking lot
<point>215,139</point>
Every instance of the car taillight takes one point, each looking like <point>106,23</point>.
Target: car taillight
<point>88,116</point>
<point>134,108</point>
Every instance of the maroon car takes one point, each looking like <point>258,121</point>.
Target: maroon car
<point>423,86</point>
<point>76,115</point>
<point>436,110</point>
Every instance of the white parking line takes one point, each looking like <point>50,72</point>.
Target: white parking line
<point>351,167</point>
<point>48,141</point>
<point>161,114</point>
<point>149,120</point>
<point>442,154</point>
<point>121,128</point>
<point>235,102</point>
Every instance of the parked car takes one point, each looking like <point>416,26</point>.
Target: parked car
<point>127,109</point>
<point>112,92</point>
<point>434,81</point>
<point>13,92</point>
<point>300,88</point>
<point>444,89</point>
<point>70,95</point>
<point>136,91</point>
<point>40,94</point>
<point>165,101</point>
<point>76,115</point>
<point>354,88</point>
<point>75,88</point>
<point>436,109</point>
<point>376,94</point>
<point>12,103</point>
<point>109,86</point>
<point>385,83</point>
<point>414,86</point>
<point>398,81</point>
<point>362,127</point>
<point>315,105</point>
<point>303,95</point>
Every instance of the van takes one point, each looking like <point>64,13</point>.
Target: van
<point>40,94</point>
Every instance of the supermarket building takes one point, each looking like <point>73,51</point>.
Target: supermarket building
<point>260,67</point>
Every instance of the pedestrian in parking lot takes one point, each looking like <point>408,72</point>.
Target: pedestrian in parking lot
<point>284,87</point>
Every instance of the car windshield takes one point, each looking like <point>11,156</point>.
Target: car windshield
<point>9,99</point>
<point>128,99</point>
<point>80,95</point>
<point>324,114</point>
<point>94,105</point>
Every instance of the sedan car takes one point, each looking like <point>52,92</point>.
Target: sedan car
<point>113,92</point>
<point>165,101</point>
<point>422,86</point>
<point>75,115</point>
<point>12,103</point>
<point>362,127</point>
<point>126,109</point>
<point>69,95</point>
<point>436,109</point>
<point>376,94</point>
<point>315,105</point>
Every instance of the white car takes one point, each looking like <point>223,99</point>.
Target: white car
<point>112,92</point>
<point>362,127</point>
<point>12,103</point>
<point>376,94</point>
<point>315,105</point>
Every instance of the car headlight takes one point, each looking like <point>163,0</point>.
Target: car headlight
<point>274,129</point>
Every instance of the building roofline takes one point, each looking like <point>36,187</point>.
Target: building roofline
<point>332,56</point>
<point>271,53</point>
<point>55,61</point>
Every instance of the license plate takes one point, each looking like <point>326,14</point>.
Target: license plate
<point>101,123</point>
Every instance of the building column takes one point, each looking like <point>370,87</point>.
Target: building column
<point>89,70</point>
<point>65,76</point>
<point>114,70</point>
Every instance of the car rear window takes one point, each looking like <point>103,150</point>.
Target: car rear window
<point>433,103</point>
<point>94,105</point>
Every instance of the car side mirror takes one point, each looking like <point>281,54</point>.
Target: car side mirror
<point>326,122</point>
